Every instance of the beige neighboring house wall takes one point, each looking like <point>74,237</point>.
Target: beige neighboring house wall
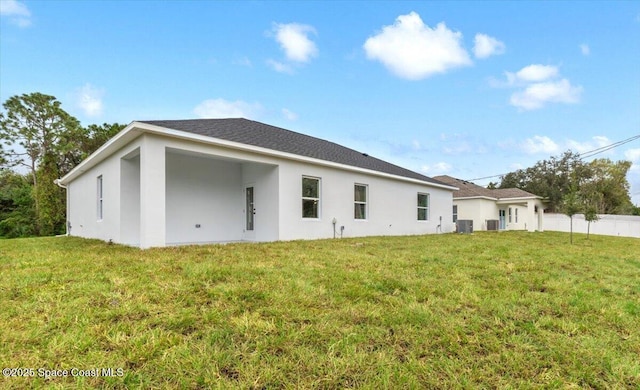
<point>513,208</point>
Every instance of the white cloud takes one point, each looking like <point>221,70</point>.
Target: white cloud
<point>581,147</point>
<point>601,140</point>
<point>486,46</point>
<point>412,50</point>
<point>437,168</point>
<point>541,86</point>
<point>633,155</point>
<point>290,115</point>
<point>545,145</point>
<point>13,8</point>
<point>280,67</point>
<point>584,49</point>
<point>221,108</point>
<point>536,95</point>
<point>294,40</point>
<point>89,100</point>
<point>539,144</point>
<point>17,12</point>
<point>535,73</point>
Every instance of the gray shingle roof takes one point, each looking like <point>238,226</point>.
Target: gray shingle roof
<point>469,190</point>
<point>503,193</point>
<point>275,138</point>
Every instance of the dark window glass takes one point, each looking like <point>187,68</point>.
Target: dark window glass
<point>310,197</point>
<point>423,207</point>
<point>360,199</point>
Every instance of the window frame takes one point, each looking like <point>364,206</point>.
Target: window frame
<point>426,208</point>
<point>510,214</point>
<point>100,197</point>
<point>357,203</point>
<point>455,213</point>
<point>317,199</point>
<point>516,214</point>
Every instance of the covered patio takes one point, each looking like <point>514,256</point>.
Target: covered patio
<point>193,198</point>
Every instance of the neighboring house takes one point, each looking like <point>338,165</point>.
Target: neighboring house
<point>498,209</point>
<point>159,183</point>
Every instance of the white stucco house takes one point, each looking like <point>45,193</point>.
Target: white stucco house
<point>495,209</point>
<point>160,183</point>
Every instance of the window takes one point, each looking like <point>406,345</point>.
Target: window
<point>310,197</point>
<point>509,214</point>
<point>455,213</point>
<point>423,207</point>
<point>360,199</point>
<point>99,197</point>
<point>516,215</point>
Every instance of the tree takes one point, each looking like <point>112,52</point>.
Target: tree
<point>42,130</point>
<point>37,124</point>
<point>571,206</point>
<point>607,183</point>
<point>590,215</point>
<point>17,212</point>
<point>601,181</point>
<point>42,137</point>
<point>550,178</point>
<point>3,161</point>
<point>84,141</point>
<point>97,135</point>
<point>52,215</point>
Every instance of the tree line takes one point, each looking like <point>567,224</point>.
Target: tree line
<point>40,138</point>
<point>570,184</point>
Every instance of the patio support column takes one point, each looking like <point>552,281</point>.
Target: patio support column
<point>532,223</point>
<point>152,193</point>
<point>540,217</point>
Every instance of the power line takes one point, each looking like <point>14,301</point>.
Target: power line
<point>582,156</point>
<point>487,177</point>
<point>603,149</point>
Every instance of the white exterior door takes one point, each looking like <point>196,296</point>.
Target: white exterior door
<point>503,219</point>
<point>249,213</point>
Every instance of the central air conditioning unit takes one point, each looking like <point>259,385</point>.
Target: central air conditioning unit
<point>464,226</point>
<point>493,224</point>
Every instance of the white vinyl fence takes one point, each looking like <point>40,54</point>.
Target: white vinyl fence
<point>607,225</point>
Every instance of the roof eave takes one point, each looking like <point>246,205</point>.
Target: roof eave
<point>135,129</point>
<point>275,153</point>
<point>520,198</point>
<point>125,135</point>
<point>474,197</point>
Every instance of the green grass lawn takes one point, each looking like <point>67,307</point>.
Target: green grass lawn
<point>488,310</point>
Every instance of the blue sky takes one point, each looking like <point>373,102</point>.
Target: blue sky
<point>468,89</point>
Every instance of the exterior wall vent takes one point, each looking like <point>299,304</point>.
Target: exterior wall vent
<point>464,226</point>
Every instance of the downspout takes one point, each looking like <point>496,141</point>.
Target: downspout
<point>66,225</point>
